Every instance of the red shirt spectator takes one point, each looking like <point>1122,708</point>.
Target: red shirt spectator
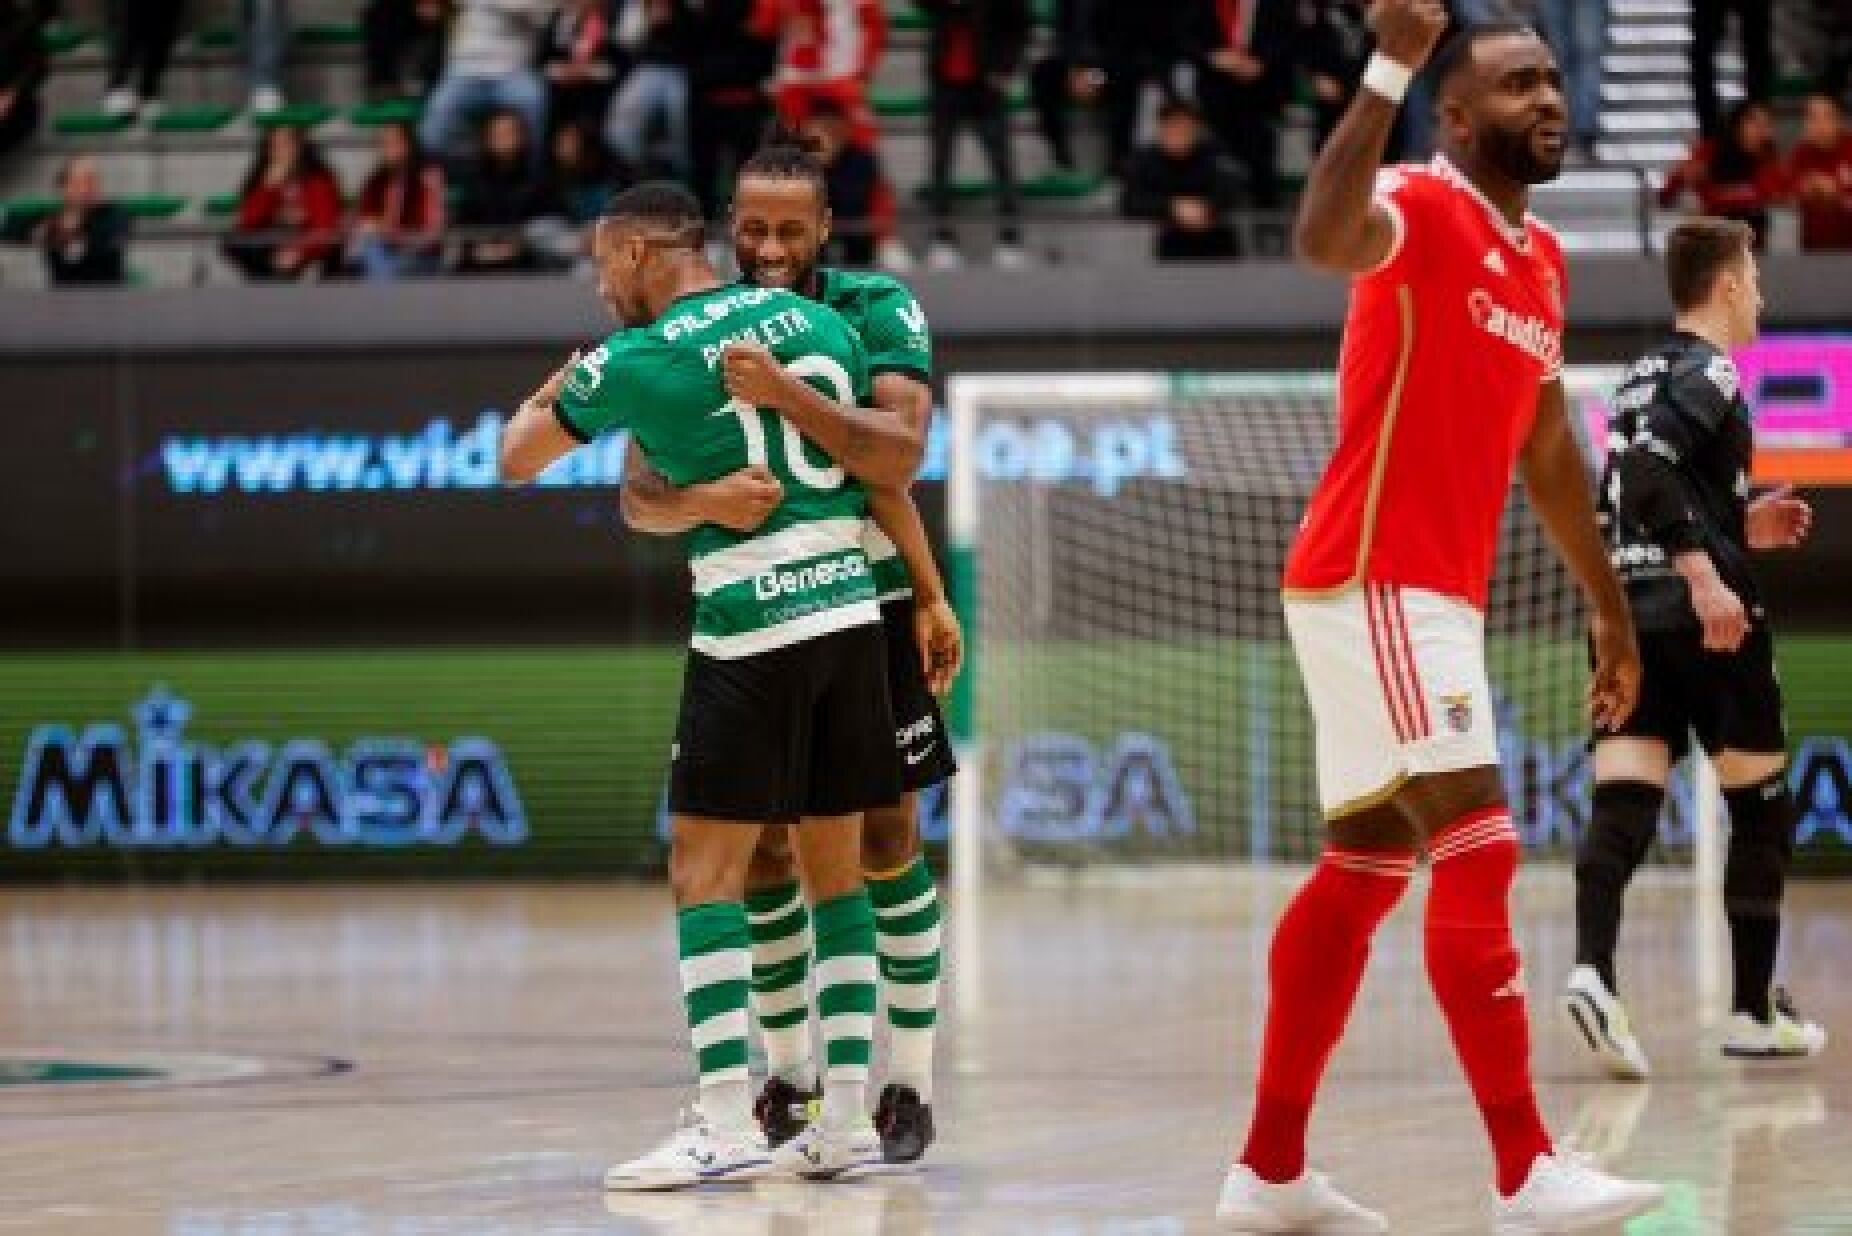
<point>1736,176</point>
<point>1820,177</point>
<point>826,49</point>
<point>289,213</point>
<point>399,221</point>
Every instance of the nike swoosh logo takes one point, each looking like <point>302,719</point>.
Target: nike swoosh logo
<point>914,759</point>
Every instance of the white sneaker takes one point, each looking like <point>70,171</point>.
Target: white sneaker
<point>944,256</point>
<point>267,101</point>
<point>121,102</point>
<point>1604,1025</point>
<point>821,1152</point>
<point>1010,257</point>
<point>694,1154</point>
<point>894,257</point>
<point>1309,1204</point>
<point>1783,1037</point>
<point>1564,1193</point>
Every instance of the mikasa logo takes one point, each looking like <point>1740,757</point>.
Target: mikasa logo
<point>770,585</point>
<point>1528,334</point>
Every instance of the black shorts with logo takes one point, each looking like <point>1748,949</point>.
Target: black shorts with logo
<point>924,748</point>
<point>1731,699</point>
<point>803,730</point>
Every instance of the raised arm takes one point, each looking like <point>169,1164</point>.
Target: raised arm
<point>880,446</point>
<point>1339,227</point>
<point>1558,482</point>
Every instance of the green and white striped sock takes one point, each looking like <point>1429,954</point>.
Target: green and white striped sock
<point>907,937</point>
<point>716,967</point>
<point>780,926</point>
<point>845,929</point>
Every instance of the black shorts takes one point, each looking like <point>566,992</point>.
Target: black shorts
<point>924,748</point>
<point>1731,699</point>
<point>804,730</point>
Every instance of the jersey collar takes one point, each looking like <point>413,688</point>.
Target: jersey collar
<point>1518,236</point>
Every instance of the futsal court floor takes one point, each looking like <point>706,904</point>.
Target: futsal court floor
<point>465,1061</point>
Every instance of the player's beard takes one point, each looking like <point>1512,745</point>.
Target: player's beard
<point>1514,153</point>
<point>803,274</point>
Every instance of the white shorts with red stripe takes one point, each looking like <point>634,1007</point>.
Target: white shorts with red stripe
<point>1397,683</point>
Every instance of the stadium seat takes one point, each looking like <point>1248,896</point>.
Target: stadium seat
<point>60,38</point>
<point>219,36</point>
<point>296,116</point>
<point>150,205</point>
<point>328,34</point>
<point>388,111</point>
<point>220,205</point>
<point>1052,186</point>
<point>19,213</point>
<point>895,103</point>
<point>200,118</point>
<point>89,122</point>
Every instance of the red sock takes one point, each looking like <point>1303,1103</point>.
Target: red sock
<point>1479,981</point>
<point>1314,970</point>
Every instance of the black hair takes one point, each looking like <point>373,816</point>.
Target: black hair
<point>1731,161</point>
<point>1170,109</point>
<point>308,163</point>
<point>786,154</point>
<point>660,206</point>
<point>1456,54</point>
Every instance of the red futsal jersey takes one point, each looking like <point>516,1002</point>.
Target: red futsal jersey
<point>1445,346</point>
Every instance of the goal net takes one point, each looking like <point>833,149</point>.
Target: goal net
<point>1132,703</point>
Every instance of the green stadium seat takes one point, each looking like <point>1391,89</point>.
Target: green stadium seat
<point>893,103</point>
<point>150,205</point>
<point>61,38</point>
<point>89,123</point>
<point>906,18</point>
<point>328,34</point>
<point>202,118</point>
<point>1060,186</point>
<point>19,213</point>
<point>296,116</point>
<point>386,111</point>
<point>219,36</point>
<point>221,205</point>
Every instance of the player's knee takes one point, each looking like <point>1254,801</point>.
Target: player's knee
<point>772,862</point>
<point>1473,867</point>
<point>1761,845</point>
<point>699,874</point>
<point>1621,828</point>
<point>890,837</point>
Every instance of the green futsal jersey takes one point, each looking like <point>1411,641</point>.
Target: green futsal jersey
<point>893,329</point>
<point>803,572</point>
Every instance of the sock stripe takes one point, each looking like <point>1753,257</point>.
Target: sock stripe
<point>852,969</point>
<point>912,905</point>
<point>910,948</point>
<point>714,998</point>
<point>720,966</point>
<point>718,1062</point>
<point>781,1001</point>
<point>912,925</point>
<point>787,906</point>
<point>917,997</point>
<point>1364,862</point>
<point>719,1028</point>
<point>1495,830</point>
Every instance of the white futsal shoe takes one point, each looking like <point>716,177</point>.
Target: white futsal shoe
<point>1784,1036</point>
<point>1597,1014</point>
<point>824,1152</point>
<point>696,1153</point>
<point>1309,1204</point>
<point>1565,1193</point>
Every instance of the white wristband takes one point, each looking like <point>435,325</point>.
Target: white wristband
<point>1387,77</point>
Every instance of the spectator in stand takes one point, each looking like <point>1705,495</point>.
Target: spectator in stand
<point>399,224</point>
<point>289,210</point>
<point>502,198</point>
<point>1578,31</point>
<point>141,39</point>
<point>83,239</point>
<point>1068,75</point>
<point>827,49</point>
<point>1735,175</point>
<point>266,48</point>
<point>580,60</point>
<point>1755,32</point>
<point>581,178</point>
<point>857,195</point>
<point>1139,46</point>
<point>1245,57</point>
<point>653,98</point>
<point>1834,21</point>
<point>973,54</point>
<point>404,46</point>
<point>1182,183</point>
<point>22,71</point>
<point>1820,176</point>
<point>1336,47</point>
<point>728,70</point>
<point>490,69</point>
